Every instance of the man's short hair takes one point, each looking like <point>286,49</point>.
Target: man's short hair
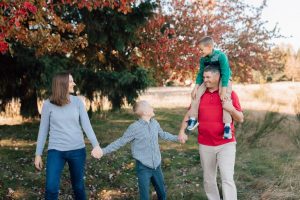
<point>207,41</point>
<point>212,69</point>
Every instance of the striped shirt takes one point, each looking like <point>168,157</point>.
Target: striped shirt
<point>143,137</point>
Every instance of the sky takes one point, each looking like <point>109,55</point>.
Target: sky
<point>287,14</point>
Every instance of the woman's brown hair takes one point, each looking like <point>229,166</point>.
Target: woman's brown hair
<point>60,89</point>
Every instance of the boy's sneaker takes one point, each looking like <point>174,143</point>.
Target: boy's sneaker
<point>187,132</point>
<point>192,124</point>
<point>227,133</point>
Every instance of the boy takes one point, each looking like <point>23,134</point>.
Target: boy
<point>214,58</point>
<point>143,135</point>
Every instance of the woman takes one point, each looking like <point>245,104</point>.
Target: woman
<point>63,117</point>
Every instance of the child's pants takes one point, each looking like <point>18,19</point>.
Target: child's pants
<point>145,175</point>
<point>201,90</point>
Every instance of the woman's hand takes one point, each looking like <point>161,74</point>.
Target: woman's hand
<point>38,163</point>
<point>97,152</point>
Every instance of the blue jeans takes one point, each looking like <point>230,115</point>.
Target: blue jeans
<point>145,175</point>
<point>55,163</point>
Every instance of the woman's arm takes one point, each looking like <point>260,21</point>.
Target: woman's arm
<point>86,124</point>
<point>43,129</point>
<point>42,135</point>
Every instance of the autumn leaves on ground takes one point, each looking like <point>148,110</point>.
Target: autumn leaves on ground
<point>267,165</point>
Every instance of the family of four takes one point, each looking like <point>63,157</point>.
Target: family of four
<point>213,109</point>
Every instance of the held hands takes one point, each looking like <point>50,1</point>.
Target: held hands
<point>97,152</point>
<point>38,163</point>
<point>182,137</point>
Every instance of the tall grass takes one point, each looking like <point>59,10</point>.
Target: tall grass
<point>297,107</point>
<point>251,131</point>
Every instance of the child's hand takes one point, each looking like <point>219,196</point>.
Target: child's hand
<point>223,95</point>
<point>97,152</point>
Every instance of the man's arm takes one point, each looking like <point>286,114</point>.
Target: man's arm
<point>182,137</point>
<point>236,115</point>
<point>234,108</point>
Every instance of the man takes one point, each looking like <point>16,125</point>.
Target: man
<point>215,151</point>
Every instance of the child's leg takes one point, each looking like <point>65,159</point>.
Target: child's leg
<point>226,115</point>
<point>195,102</point>
<point>159,184</point>
<point>144,175</point>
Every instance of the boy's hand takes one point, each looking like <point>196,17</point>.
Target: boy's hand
<point>97,152</point>
<point>223,95</point>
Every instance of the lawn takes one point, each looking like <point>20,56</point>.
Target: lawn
<point>267,164</point>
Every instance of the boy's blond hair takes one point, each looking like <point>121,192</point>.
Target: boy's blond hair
<point>137,107</point>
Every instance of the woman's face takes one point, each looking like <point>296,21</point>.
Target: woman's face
<point>71,84</point>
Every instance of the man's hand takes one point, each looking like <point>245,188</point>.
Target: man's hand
<point>223,93</point>
<point>182,137</point>
<point>97,152</point>
<point>228,106</point>
<point>38,163</point>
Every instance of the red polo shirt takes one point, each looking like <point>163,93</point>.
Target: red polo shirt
<point>210,117</point>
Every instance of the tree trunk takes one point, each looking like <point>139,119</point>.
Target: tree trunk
<point>29,104</point>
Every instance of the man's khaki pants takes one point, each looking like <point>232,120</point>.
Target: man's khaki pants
<point>222,156</point>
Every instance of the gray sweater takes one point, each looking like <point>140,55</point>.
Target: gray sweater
<point>64,125</point>
<point>143,137</point>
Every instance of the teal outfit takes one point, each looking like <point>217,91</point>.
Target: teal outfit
<point>216,59</point>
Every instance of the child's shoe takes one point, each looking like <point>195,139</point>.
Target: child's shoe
<point>227,132</point>
<point>186,131</point>
<point>192,124</point>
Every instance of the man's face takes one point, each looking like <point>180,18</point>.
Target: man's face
<point>211,80</point>
<point>206,50</point>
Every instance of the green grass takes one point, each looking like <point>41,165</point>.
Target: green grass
<point>263,171</point>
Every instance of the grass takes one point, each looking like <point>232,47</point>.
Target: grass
<point>297,107</point>
<point>266,170</point>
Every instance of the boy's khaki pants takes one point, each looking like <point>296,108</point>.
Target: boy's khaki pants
<point>200,91</point>
<point>222,156</point>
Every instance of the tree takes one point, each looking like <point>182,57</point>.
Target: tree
<point>292,65</point>
<point>32,22</point>
<point>67,35</point>
<point>171,48</point>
